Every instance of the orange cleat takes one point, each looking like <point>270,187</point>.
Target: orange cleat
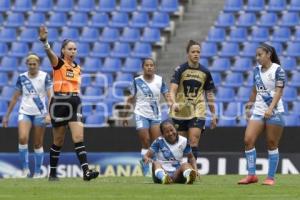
<point>269,181</point>
<point>248,180</point>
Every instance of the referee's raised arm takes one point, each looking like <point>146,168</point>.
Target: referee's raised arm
<point>43,35</point>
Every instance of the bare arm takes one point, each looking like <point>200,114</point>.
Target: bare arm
<point>276,98</point>
<point>173,92</point>
<point>168,99</point>
<point>192,161</point>
<point>148,156</point>
<point>251,102</point>
<point>210,96</point>
<point>43,33</point>
<point>11,106</point>
<point>128,106</point>
<point>49,95</point>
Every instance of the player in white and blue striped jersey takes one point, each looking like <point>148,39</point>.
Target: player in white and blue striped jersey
<point>33,86</point>
<point>167,152</point>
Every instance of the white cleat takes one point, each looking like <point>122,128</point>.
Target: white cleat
<point>166,179</point>
<point>191,177</point>
<point>24,174</point>
<point>37,176</point>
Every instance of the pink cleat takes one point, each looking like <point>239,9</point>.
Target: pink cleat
<point>269,181</point>
<point>248,180</point>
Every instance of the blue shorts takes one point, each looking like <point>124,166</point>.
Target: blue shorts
<point>37,120</point>
<point>184,125</point>
<point>145,123</point>
<point>276,119</point>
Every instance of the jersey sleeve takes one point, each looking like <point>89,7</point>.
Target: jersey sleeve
<point>187,148</point>
<point>279,78</point>
<point>176,76</point>
<point>59,64</point>
<point>48,82</point>
<point>18,84</point>
<point>132,88</point>
<point>164,88</point>
<point>155,146</point>
<point>209,83</point>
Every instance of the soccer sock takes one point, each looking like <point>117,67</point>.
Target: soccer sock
<point>23,153</point>
<point>54,156</point>
<point>38,160</point>
<point>251,161</point>
<point>186,173</point>
<point>160,173</point>
<point>81,155</point>
<point>273,162</point>
<point>196,152</point>
<point>143,152</point>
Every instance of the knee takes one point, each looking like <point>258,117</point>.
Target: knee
<point>272,144</point>
<point>23,140</point>
<point>78,138</point>
<point>59,141</point>
<point>249,142</point>
<point>194,141</point>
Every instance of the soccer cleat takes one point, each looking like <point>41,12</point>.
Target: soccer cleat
<point>145,168</point>
<point>248,180</point>
<point>53,178</point>
<point>191,177</point>
<point>90,174</point>
<point>269,181</point>
<point>24,174</point>
<point>166,179</point>
<point>37,176</point>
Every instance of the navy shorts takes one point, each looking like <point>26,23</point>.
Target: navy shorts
<point>184,125</point>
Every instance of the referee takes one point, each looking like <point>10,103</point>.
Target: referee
<point>65,104</point>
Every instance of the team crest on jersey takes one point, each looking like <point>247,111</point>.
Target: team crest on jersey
<point>70,74</point>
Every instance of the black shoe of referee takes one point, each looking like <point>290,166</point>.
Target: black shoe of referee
<point>90,174</point>
<point>53,178</point>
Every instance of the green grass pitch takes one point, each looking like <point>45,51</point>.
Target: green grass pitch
<point>138,188</point>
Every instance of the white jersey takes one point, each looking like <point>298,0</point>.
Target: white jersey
<point>34,92</point>
<point>148,96</point>
<point>265,83</point>
<point>170,155</point>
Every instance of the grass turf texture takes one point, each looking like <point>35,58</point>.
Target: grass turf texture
<point>209,187</point>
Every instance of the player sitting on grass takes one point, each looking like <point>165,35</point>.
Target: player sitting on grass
<point>169,150</point>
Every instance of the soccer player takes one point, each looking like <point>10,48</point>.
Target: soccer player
<point>168,151</point>
<point>65,109</point>
<point>269,80</point>
<point>191,86</point>
<point>145,92</point>
<point>33,85</point>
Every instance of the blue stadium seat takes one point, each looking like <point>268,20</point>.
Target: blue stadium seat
<point>3,78</point>
<point>276,5</point>
<point>289,19</point>
<point>19,49</point>
<point>86,80</point>
<point>204,61</point>
<point>63,6</point>
<point>268,19</point>
<point>139,20</point>
<point>243,94</point>
<point>8,35</point>
<point>100,49</point>
<point>109,35</point>
<point>103,80</point>
<point>278,47</point>
<point>148,6</point>
<point>168,5</point>
<point>233,110</point>
<point>229,49</point>
<point>233,5</point>
<point>294,5</point>
<point>297,35</point>
<point>160,20</point>
<point>87,109</point>
<point>296,108</point>
<point>123,80</point>
<point>249,80</point>
<point>227,122</point>
<point>242,65</point>
<point>93,94</point>
<point>234,79</point>
<point>242,122</point>
<point>92,65</point>
<point>83,49</point>
<point>208,49</point>
<point>69,33</point>
<point>288,63</point>
<point>53,34</point>
<point>35,19</point>
<point>120,50</point>
<point>1,19</point>
<point>150,35</point>
<point>130,35</point>
<point>255,5</point>
<point>220,65</point>
<point>85,5</point>
<point>3,107</point>
<point>119,20</point>
<point>46,65</point>
<point>249,49</point>
<point>22,6</point>
<point>246,20</point>
<point>43,5</point>
<point>128,5</point>
<point>8,64</point>
<point>99,20</point>
<point>225,20</point>
<point>95,120</point>
<point>3,49</point>
<point>225,94</point>
<point>111,65</point>
<point>237,34</point>
<point>259,34</point>
<point>293,49</point>
<point>295,80</point>
<point>106,5</point>
<point>217,78</point>
<point>5,5</point>
<point>281,34</point>
<point>291,120</point>
<point>78,20</point>
<point>216,35</point>
<point>89,34</point>
<point>57,20</point>
<point>13,120</point>
<point>289,94</point>
<point>132,65</point>
<point>141,50</point>
<point>104,108</point>
<point>7,93</point>
<point>14,20</point>
<point>29,35</point>
<point>114,95</point>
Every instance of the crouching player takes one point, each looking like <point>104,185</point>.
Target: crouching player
<point>168,151</point>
